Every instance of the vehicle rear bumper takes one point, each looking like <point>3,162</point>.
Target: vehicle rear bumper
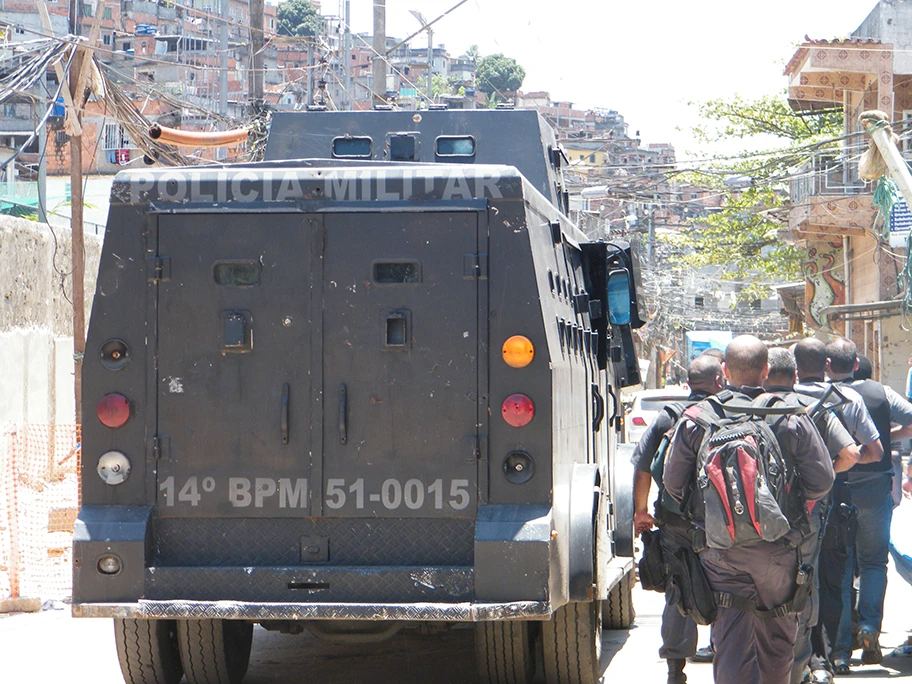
<point>240,610</point>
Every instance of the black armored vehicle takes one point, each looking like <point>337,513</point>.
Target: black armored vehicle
<point>369,383</point>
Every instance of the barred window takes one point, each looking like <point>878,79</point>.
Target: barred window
<point>115,138</point>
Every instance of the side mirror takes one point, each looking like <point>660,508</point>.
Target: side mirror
<point>619,297</point>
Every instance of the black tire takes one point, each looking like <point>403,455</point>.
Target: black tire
<point>147,651</point>
<point>504,652</point>
<point>617,609</point>
<point>572,644</point>
<point>215,651</point>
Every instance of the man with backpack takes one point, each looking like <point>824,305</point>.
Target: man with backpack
<point>679,632</point>
<point>746,488</point>
<point>812,664</point>
<point>871,488</point>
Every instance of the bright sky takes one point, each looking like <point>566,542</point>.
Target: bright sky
<point>645,59</point>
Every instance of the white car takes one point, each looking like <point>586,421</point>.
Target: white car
<point>645,408</point>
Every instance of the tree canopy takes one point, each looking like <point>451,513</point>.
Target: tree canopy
<point>298,18</point>
<point>498,75</point>
<point>741,237</point>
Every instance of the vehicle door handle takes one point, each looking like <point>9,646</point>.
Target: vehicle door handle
<point>343,414</point>
<point>598,408</point>
<point>285,393</point>
<point>614,420</point>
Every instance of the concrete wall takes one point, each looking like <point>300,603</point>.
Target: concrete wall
<point>891,22</point>
<point>896,345</point>
<point>36,336</point>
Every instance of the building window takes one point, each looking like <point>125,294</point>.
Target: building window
<point>699,301</point>
<point>108,13</point>
<point>115,138</point>
<point>906,144</point>
<point>755,304</point>
<point>592,158</point>
<point>106,39</point>
<point>693,195</point>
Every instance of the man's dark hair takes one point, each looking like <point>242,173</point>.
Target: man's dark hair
<point>811,356</point>
<point>865,370</point>
<point>703,370</point>
<point>782,363</point>
<point>843,353</point>
<point>715,353</point>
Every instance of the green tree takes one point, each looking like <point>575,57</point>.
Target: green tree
<point>299,18</point>
<point>741,238</point>
<point>440,85</point>
<point>497,75</point>
<point>769,115</point>
<point>473,53</point>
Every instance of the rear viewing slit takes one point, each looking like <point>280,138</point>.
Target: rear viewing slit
<point>309,586</point>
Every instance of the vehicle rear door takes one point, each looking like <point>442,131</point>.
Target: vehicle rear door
<point>400,368</point>
<point>234,392</point>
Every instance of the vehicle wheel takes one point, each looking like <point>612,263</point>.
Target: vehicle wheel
<point>572,644</point>
<point>147,651</point>
<point>617,609</point>
<point>504,652</point>
<point>214,651</point>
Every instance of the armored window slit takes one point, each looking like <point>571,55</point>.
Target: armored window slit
<point>237,273</point>
<point>396,272</point>
<point>352,147</point>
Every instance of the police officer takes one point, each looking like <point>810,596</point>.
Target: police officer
<point>751,649</point>
<point>679,633</point>
<point>811,362</point>
<point>871,487</point>
<point>845,454</point>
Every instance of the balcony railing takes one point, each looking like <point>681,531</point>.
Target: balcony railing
<point>829,173</point>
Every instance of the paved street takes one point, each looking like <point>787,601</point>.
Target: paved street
<point>52,648</point>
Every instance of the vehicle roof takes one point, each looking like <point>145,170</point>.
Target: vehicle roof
<point>519,138</point>
<point>670,392</point>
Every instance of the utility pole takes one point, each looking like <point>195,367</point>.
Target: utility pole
<point>77,239</point>
<point>379,64</point>
<point>652,235</point>
<point>430,74</point>
<point>430,53</point>
<point>347,48</point>
<point>257,43</point>
<point>42,170</point>
<point>74,98</point>
<point>310,72</point>
<point>223,59</point>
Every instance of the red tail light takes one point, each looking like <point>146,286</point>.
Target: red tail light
<point>518,410</point>
<point>113,410</point>
<point>638,420</point>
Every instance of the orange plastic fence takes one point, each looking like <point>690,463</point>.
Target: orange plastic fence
<point>39,500</point>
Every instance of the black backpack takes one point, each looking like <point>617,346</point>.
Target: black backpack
<point>745,489</point>
<point>664,502</point>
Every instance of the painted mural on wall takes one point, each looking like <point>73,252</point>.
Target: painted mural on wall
<point>824,273</point>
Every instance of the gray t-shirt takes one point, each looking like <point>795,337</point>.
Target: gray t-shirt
<point>900,407</point>
<point>853,414</point>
